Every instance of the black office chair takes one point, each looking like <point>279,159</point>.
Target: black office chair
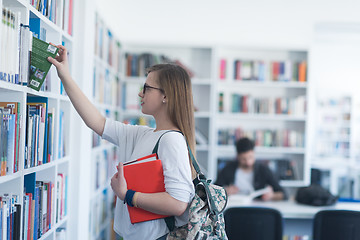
<point>253,223</point>
<point>336,225</point>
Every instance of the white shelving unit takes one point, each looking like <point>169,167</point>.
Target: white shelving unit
<point>106,97</point>
<point>13,183</point>
<point>337,141</point>
<point>246,105</point>
<point>204,62</point>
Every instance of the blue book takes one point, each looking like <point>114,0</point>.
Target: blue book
<point>30,183</point>
<point>44,10</point>
<point>11,143</point>
<point>35,26</point>
<point>29,187</point>
<point>25,216</point>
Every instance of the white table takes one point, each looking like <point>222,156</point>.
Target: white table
<point>298,218</point>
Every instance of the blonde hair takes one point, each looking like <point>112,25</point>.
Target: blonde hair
<point>176,83</point>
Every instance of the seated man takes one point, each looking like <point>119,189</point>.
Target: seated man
<point>244,175</point>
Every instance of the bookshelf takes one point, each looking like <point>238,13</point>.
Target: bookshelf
<point>47,171</point>
<point>336,153</point>
<point>336,90</point>
<point>262,94</point>
<point>276,107</point>
<point>104,155</point>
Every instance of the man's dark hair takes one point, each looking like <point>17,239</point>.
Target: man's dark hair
<point>244,145</point>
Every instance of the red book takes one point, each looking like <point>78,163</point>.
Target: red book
<point>222,68</point>
<point>70,17</point>
<point>144,175</point>
<point>30,224</point>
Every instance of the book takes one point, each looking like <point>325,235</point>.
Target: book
<point>222,70</point>
<point>246,199</point>
<point>144,175</point>
<point>39,65</point>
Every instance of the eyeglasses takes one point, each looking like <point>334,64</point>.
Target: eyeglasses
<point>147,86</point>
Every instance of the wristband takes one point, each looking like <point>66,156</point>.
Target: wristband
<point>129,197</point>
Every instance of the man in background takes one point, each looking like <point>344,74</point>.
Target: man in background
<point>245,175</point>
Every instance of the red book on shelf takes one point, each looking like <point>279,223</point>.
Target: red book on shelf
<point>144,175</point>
<point>70,17</point>
<point>222,69</point>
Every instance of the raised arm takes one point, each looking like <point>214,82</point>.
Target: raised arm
<point>87,111</point>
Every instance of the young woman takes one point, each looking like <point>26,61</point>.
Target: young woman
<point>167,96</point>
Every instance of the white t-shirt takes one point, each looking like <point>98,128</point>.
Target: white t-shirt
<point>244,181</point>
<point>138,141</point>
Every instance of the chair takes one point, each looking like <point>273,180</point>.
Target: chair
<point>336,225</point>
<point>253,223</point>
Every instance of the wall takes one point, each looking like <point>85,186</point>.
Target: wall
<point>235,22</point>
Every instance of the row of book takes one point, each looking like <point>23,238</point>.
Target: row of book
<point>105,166</point>
<point>107,47</point>
<point>280,105</point>
<point>136,63</point>
<point>39,138</point>
<point>129,96</point>
<point>59,12</point>
<point>337,134</point>
<point>45,203</point>
<point>333,149</point>
<point>9,58</point>
<point>257,70</point>
<point>40,125</point>
<point>106,87</point>
<point>40,133</point>
<point>145,121</point>
<point>10,217</point>
<point>17,46</point>
<point>336,105</point>
<point>99,213</point>
<point>263,137</point>
<point>10,129</point>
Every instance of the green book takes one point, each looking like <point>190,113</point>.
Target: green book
<point>39,65</point>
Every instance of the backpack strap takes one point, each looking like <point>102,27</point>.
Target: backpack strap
<point>194,163</point>
<point>155,150</point>
<point>170,221</point>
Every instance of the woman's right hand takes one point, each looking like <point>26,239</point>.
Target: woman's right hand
<point>61,63</point>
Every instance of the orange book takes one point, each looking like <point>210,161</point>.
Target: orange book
<point>302,71</point>
<point>144,175</point>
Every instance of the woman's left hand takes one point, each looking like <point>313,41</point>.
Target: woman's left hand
<point>118,182</point>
